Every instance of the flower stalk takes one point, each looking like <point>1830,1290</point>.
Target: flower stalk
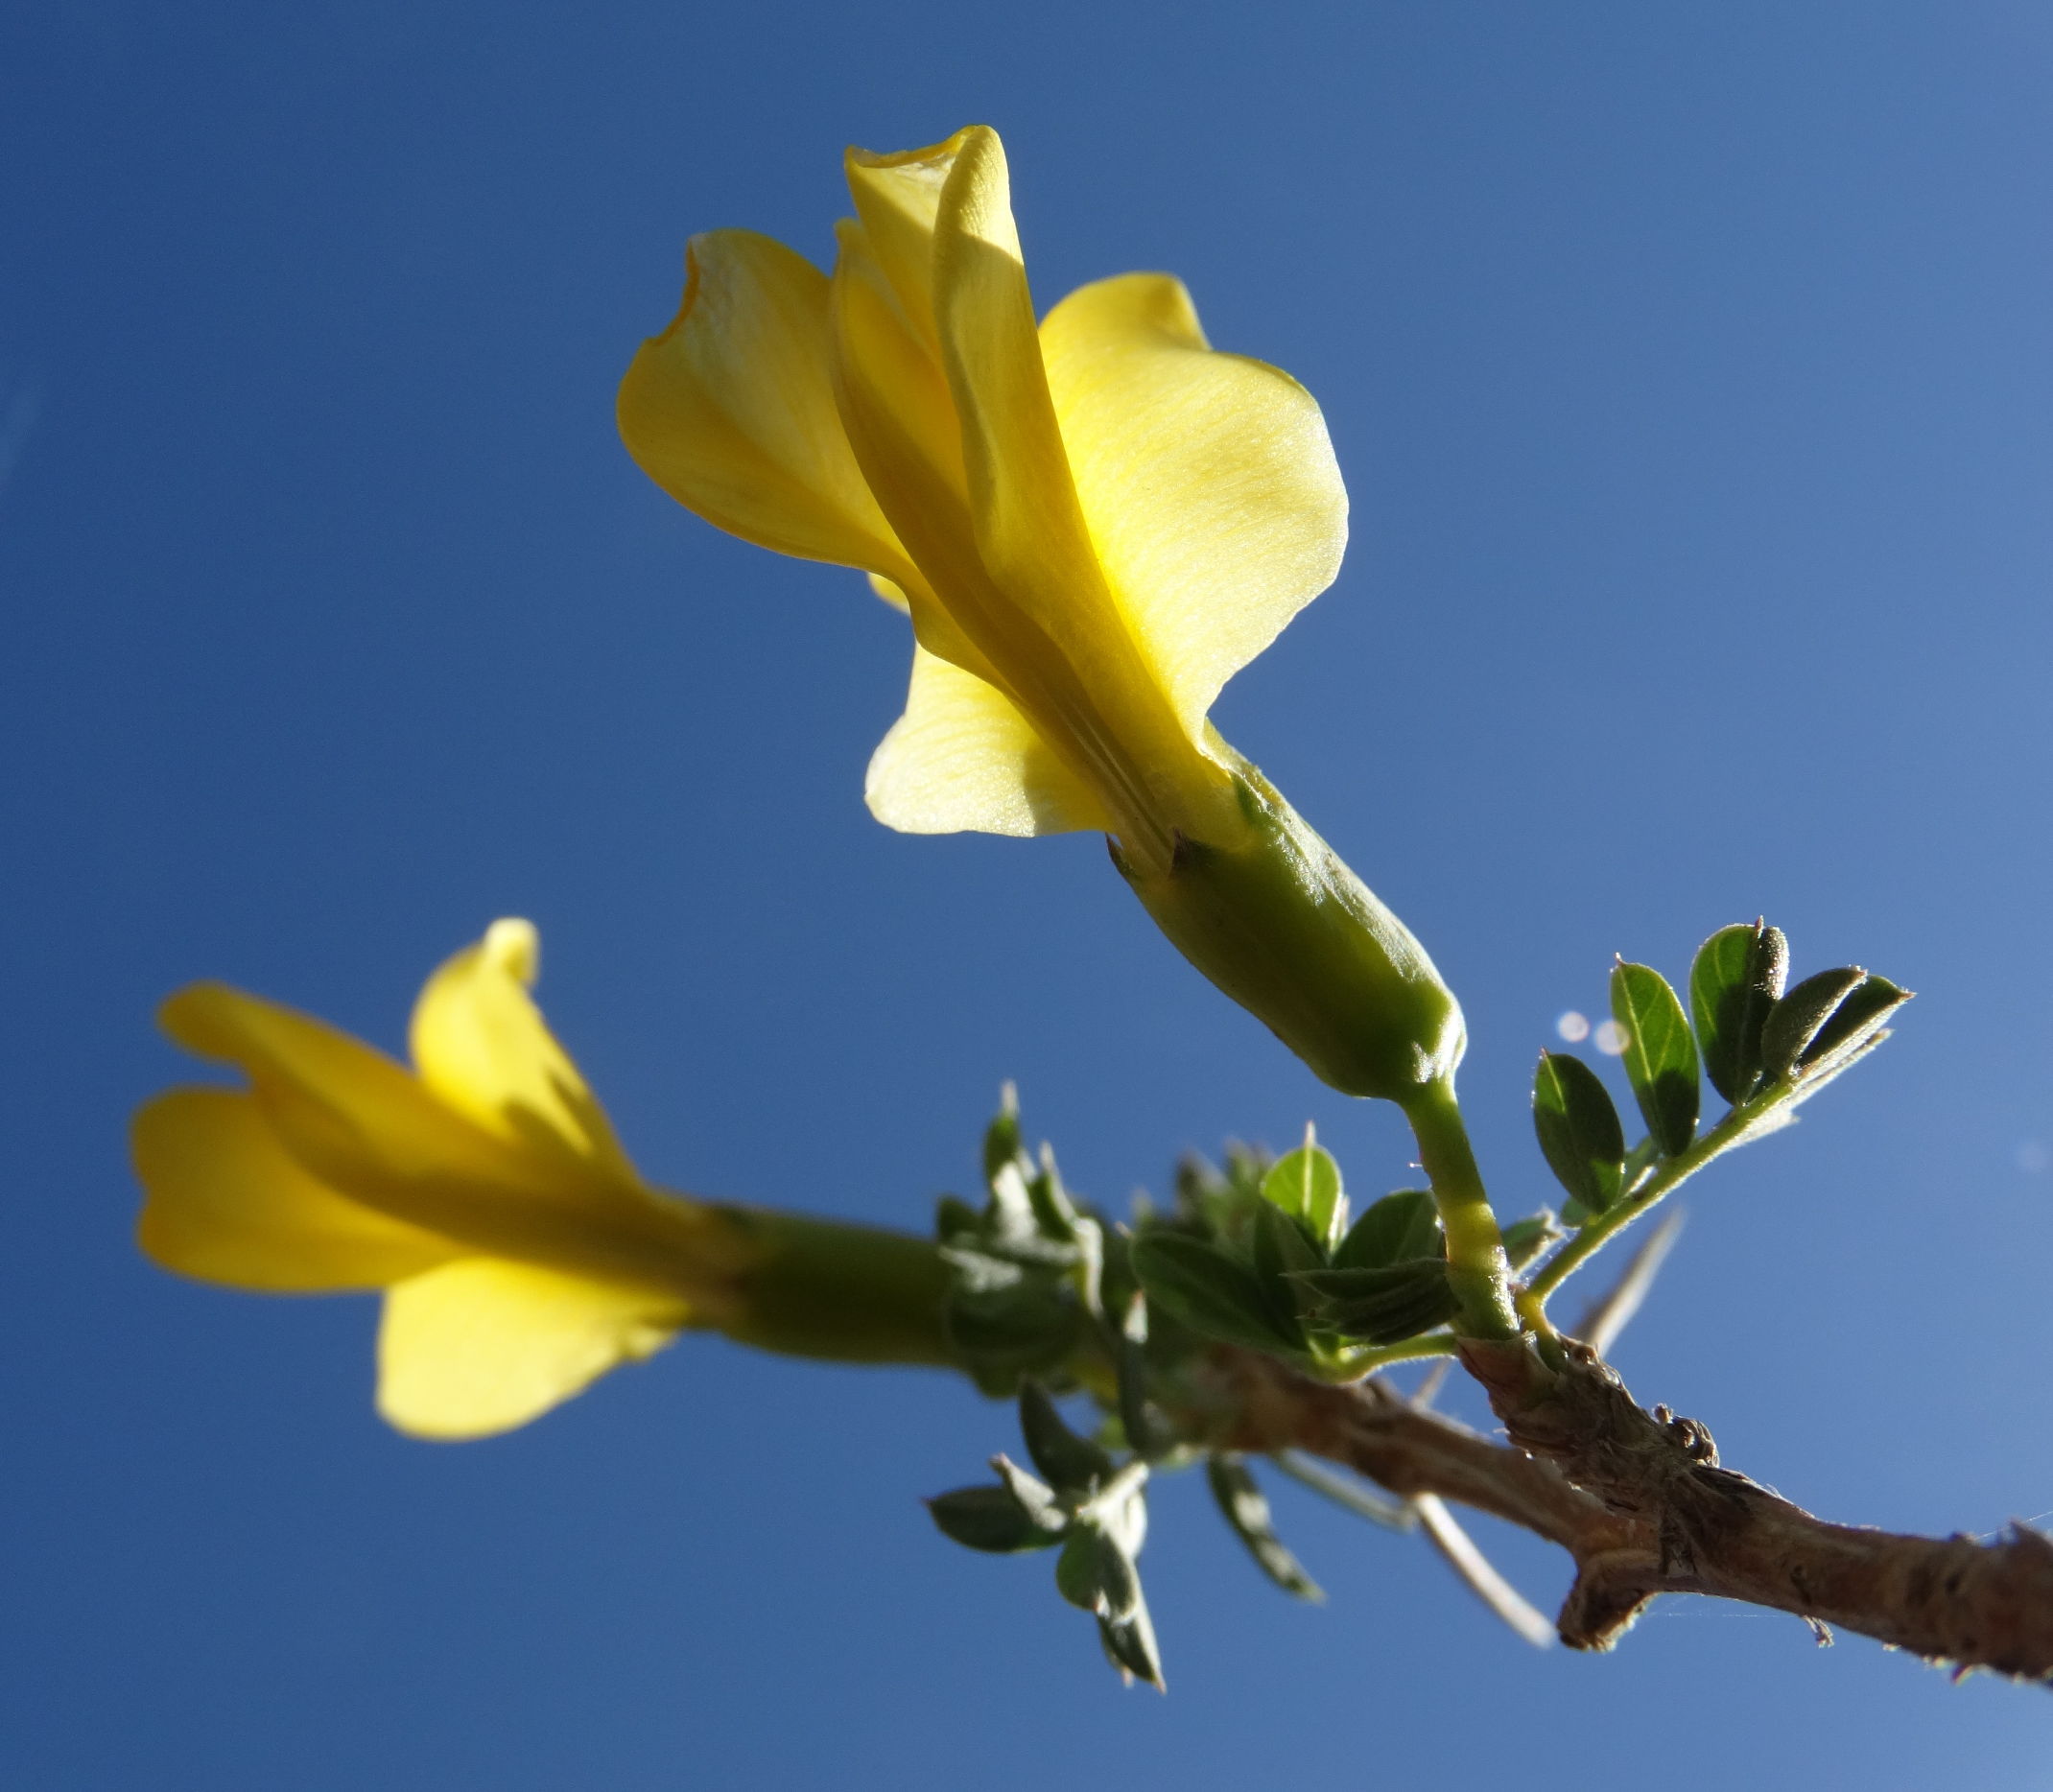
<point>1478,1269</point>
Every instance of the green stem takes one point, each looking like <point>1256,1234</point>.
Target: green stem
<point>1735,1128</point>
<point>1355,1364</point>
<point>1476,1266</point>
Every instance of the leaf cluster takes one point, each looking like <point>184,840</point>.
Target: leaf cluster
<point>1028,1268</point>
<point>1275,1263</point>
<point>1764,1047</point>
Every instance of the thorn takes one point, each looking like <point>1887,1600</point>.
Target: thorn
<point>1459,1547</point>
<point>1431,1385</point>
<point>1343,1490</point>
<point>1608,1314</point>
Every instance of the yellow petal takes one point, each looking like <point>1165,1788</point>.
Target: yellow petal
<point>482,1346</point>
<point>901,422</point>
<point>731,410</point>
<point>479,1042</point>
<point>226,1202</point>
<point>352,1116</point>
<point>1215,503</point>
<point>1070,658</point>
<point>963,757</point>
<point>361,1125</point>
<point>897,198</point>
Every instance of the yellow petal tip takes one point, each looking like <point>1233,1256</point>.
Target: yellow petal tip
<point>514,947</point>
<point>855,156</point>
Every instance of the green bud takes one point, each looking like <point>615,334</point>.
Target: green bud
<point>1281,924</point>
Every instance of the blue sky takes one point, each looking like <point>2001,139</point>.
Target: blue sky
<point>1691,371</point>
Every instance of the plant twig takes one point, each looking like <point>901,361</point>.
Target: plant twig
<point>1641,1504</point>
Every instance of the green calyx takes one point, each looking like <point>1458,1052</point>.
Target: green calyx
<point>837,1291</point>
<point>1278,923</point>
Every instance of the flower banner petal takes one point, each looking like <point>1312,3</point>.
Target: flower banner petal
<point>481,1345</point>
<point>480,1044</point>
<point>1071,659</point>
<point>963,757</point>
<point>1214,499</point>
<point>731,410</point>
<point>226,1202</point>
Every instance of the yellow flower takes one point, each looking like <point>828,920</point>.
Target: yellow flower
<point>484,1192</point>
<point>1095,524</point>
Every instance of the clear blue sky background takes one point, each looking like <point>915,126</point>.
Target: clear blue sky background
<point>1691,368</point>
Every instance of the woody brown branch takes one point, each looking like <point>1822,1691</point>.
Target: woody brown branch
<point>1642,1506</point>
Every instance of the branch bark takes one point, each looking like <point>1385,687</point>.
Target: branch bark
<point>1642,1505</point>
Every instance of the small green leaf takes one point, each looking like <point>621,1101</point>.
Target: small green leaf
<point>1002,1138</point>
<point>1212,1294</point>
<point>992,1519</point>
<point>955,1218</point>
<point>1579,1131</point>
<point>1401,1225</point>
<point>1036,1496</point>
<point>1130,1646</point>
<point>1306,1185</point>
<point>1076,1569</point>
<point>1145,1431</point>
<point>1659,1054</point>
<point>1796,1021</point>
<point>1525,1238</point>
<point>1011,1217</point>
<point>1198,1184</point>
<point>1854,1026</point>
<point>1119,1581</point>
<point>1736,978</point>
<point>1278,1247</point>
<point>1246,1509</point>
<point>1053,1212</point>
<point>1383,1305</point>
<point>1246,1165</point>
<point>1072,1463</point>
